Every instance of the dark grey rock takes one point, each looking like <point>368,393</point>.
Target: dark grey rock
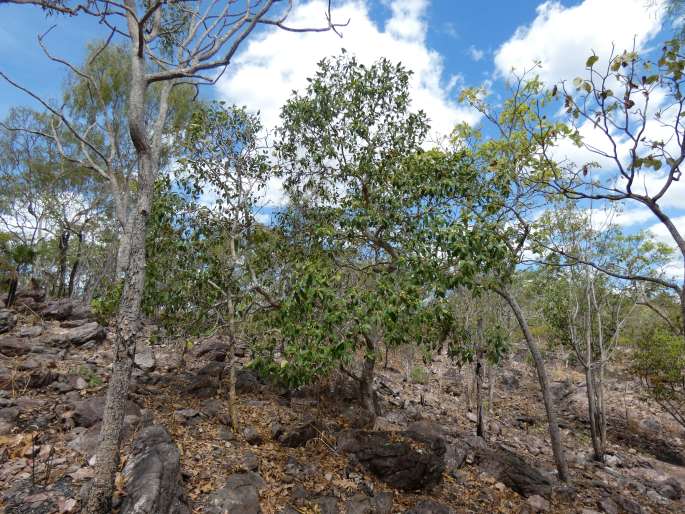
<point>299,435</point>
<point>153,475</point>
<point>8,320</point>
<point>240,495</point>
<point>430,507</point>
<point>405,460</point>
<point>11,346</point>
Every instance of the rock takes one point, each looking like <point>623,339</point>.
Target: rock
<point>89,332</point>
<point>249,462</point>
<point>89,411</point>
<point>430,507</point>
<point>187,416</point>
<point>509,379</point>
<point>7,320</point>
<point>405,460</point>
<point>202,386</point>
<point>246,381</point>
<point>30,331</point>
<point>513,471</point>
<point>607,505</point>
<point>212,350</point>
<point>145,357</point>
<point>9,414</point>
<point>669,488</point>
<point>240,495</point>
<point>73,323</point>
<point>226,434</point>
<point>11,346</point>
<point>153,475</point>
<point>57,309</point>
<point>362,504</point>
<point>295,469</point>
<point>212,408</point>
<point>538,503</point>
<point>298,436</point>
<point>252,436</point>
<point>612,461</point>
<point>629,506</point>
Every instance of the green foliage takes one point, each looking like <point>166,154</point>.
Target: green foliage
<point>659,361</point>
<point>419,375</point>
<point>106,306</point>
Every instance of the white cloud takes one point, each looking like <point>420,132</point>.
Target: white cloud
<point>661,233</point>
<point>563,37</point>
<point>276,62</point>
<point>476,53</point>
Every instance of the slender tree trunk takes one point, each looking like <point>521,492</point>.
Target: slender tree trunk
<point>554,434</point>
<point>480,429</point>
<point>366,388</point>
<point>127,328</point>
<point>124,247</point>
<point>63,249</point>
<point>128,321</point>
<point>75,266</point>
<point>12,290</point>
<point>592,414</point>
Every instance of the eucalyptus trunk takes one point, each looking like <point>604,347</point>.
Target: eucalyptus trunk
<point>147,144</point>
<point>554,434</point>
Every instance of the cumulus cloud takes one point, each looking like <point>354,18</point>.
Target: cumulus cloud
<point>276,62</point>
<point>561,37</point>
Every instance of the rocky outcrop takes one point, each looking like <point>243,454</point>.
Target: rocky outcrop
<point>11,346</point>
<point>89,411</point>
<point>152,475</point>
<point>405,460</point>
<point>240,495</point>
<point>7,320</point>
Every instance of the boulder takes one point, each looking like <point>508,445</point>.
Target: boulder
<point>89,411</point>
<point>7,320</point>
<point>514,472</point>
<point>246,381</point>
<point>145,357</point>
<point>298,435</point>
<point>92,331</point>
<point>213,350</point>
<point>240,495</point>
<point>405,460</point>
<point>429,507</point>
<point>30,331</point>
<point>57,309</point>
<point>381,503</point>
<point>11,346</point>
<point>153,475</point>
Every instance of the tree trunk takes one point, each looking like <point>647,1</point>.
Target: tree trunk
<point>366,389</point>
<point>555,436</point>
<point>127,328</point>
<point>75,266</point>
<point>480,429</point>
<point>124,247</point>
<point>12,290</point>
<point>63,249</point>
<point>128,320</point>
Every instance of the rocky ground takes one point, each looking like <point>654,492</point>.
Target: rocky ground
<point>308,451</point>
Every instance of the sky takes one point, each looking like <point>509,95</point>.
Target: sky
<point>447,43</point>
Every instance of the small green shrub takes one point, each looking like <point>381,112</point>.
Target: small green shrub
<point>419,375</point>
<point>106,307</point>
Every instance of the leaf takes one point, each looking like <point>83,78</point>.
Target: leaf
<point>591,60</point>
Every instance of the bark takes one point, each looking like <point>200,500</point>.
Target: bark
<point>63,249</point>
<point>12,291</point>
<point>75,266</point>
<point>480,428</point>
<point>366,389</point>
<point>127,328</point>
<point>554,434</point>
<point>124,247</point>
<point>128,320</point>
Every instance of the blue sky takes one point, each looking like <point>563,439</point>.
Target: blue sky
<point>449,44</point>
